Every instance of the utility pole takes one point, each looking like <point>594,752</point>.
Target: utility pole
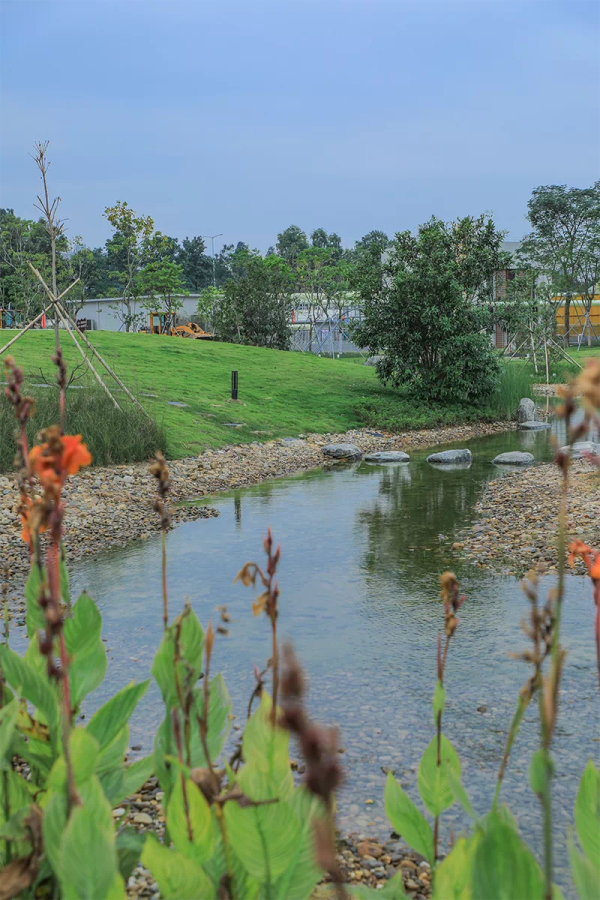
<point>212,243</point>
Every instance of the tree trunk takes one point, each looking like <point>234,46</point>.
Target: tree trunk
<point>588,328</point>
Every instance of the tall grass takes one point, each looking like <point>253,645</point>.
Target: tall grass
<point>515,382</point>
<point>113,437</point>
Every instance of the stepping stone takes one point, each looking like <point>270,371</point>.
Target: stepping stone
<point>342,451</point>
<point>514,458</point>
<point>534,426</point>
<point>387,456</point>
<point>176,403</point>
<point>446,457</point>
<point>581,448</point>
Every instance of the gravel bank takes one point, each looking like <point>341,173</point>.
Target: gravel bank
<point>109,507</point>
<point>516,528</point>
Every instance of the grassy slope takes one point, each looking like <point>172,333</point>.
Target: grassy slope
<point>281,394</point>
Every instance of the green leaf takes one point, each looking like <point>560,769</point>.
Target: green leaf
<point>585,874</point>
<point>82,631</point>
<point>504,867</point>
<point>87,671</point>
<point>302,873</point>
<point>88,860</point>
<point>540,768</point>
<point>459,793</point>
<point>113,755</point>
<point>407,820</point>
<point>187,631</point>
<point>35,619</point>
<point>453,874</point>
<point>393,890</point>
<point>134,777</point>
<point>53,827</point>
<point>201,845</point>
<point>129,845</point>
<point>84,752</point>
<point>8,722</point>
<point>439,700</point>
<point>433,780</point>
<point>219,721</point>
<point>264,746</point>
<point>264,837</point>
<point>178,877</point>
<point>63,576</point>
<point>33,686</point>
<point>587,813</point>
<point>110,718</point>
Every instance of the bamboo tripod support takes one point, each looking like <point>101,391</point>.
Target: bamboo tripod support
<point>74,333</point>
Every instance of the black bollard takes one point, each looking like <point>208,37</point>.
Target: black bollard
<point>234,385</point>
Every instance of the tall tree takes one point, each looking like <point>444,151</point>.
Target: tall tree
<point>332,242</point>
<point>565,229</point>
<point>129,250</point>
<point>425,308</point>
<point>195,264</point>
<point>162,286</point>
<point>290,243</point>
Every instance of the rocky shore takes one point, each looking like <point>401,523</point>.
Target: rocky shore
<point>109,507</point>
<point>518,514</point>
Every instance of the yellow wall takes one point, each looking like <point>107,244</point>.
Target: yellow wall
<point>577,316</point>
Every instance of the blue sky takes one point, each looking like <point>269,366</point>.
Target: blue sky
<point>245,117</point>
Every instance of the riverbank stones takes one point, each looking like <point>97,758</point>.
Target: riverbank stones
<point>526,411</point>
<point>451,457</point>
<point>581,448</point>
<point>387,456</point>
<point>514,458</point>
<point>534,426</point>
<point>342,452</point>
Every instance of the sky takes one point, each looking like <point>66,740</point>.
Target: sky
<point>246,117</point>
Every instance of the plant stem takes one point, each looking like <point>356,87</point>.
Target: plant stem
<point>275,667</point>
<point>164,582</point>
<point>515,724</point>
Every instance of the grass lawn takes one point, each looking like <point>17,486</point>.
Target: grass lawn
<point>280,394</point>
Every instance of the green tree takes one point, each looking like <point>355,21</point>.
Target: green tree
<point>129,250</point>
<point>332,242</point>
<point>162,285</point>
<point>290,243</point>
<point>322,278</point>
<point>565,236</point>
<point>255,308</point>
<point>195,264</point>
<point>426,307</point>
<point>207,301</point>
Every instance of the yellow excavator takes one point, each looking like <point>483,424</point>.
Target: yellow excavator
<point>191,330</point>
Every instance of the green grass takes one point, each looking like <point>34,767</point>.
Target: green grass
<point>561,370</point>
<point>280,394</point>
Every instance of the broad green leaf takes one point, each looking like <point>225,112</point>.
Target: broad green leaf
<point>393,890</point>
<point>407,820</point>
<point>187,632</point>
<point>432,779</point>
<point>192,834</point>
<point>82,631</point>
<point>87,671</point>
<point>113,754</point>
<point>33,686</point>
<point>503,867</point>
<point>106,723</point>
<point>129,845</point>
<point>53,827</point>
<point>93,798</point>
<point>8,721</point>
<point>63,575</point>
<point>219,721</point>
<point>453,874</point>
<point>585,874</point>
<point>135,776</point>
<point>35,619</point>
<point>264,837</point>
<point>88,859</point>
<point>84,752</point>
<point>439,700</point>
<point>264,746</point>
<point>178,877</point>
<point>260,785</point>
<point>303,873</point>
<point>459,793</point>
<point>587,813</point>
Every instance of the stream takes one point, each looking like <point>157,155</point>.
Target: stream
<point>362,549</point>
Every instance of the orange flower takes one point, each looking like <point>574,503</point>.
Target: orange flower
<point>32,519</point>
<point>595,569</point>
<point>58,457</point>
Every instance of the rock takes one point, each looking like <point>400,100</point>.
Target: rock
<point>579,449</point>
<point>342,451</point>
<point>534,426</point>
<point>368,848</point>
<point>142,819</point>
<point>514,458</point>
<point>451,456</point>
<point>385,456</point>
<point>526,411</point>
<point>373,360</point>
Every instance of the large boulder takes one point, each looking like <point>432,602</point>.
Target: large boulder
<point>581,449</point>
<point>342,451</point>
<point>526,411</point>
<point>447,457</point>
<point>514,458</point>
<point>386,456</point>
<point>534,426</point>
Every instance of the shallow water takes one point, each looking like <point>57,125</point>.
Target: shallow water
<point>362,548</point>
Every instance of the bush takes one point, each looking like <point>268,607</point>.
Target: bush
<point>113,437</point>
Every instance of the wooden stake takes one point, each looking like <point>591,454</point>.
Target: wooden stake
<point>87,361</point>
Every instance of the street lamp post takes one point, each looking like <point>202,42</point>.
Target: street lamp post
<point>212,243</point>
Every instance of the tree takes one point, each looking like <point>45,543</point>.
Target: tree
<point>426,307</point>
<point>129,250</point>
<point>323,280</point>
<point>332,242</point>
<point>195,264</point>
<point>256,307</point>
<point>290,243</point>
<point>207,301</point>
<point>161,284</point>
<point>565,230</point>
<point>374,240</point>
